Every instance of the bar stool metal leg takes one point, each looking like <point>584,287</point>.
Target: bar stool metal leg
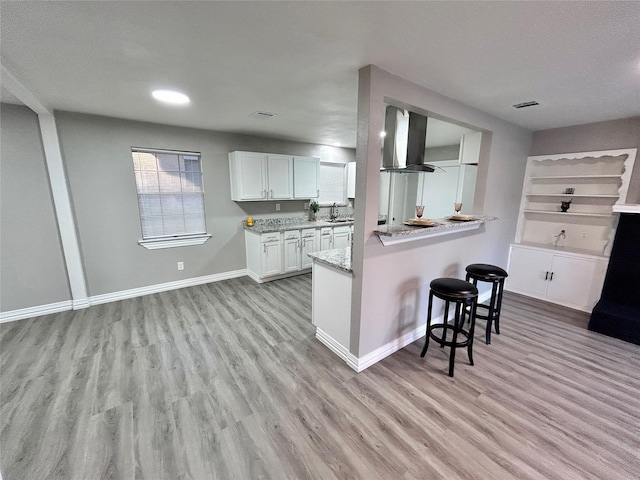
<point>426,343</point>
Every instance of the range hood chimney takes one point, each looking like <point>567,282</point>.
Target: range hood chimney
<point>404,144</point>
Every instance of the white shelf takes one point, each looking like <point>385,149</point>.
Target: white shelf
<point>569,195</point>
<point>573,177</point>
<point>569,214</point>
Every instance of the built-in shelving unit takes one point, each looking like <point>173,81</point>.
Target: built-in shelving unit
<point>561,256</point>
<point>597,181</point>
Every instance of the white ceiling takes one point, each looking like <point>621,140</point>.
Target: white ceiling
<point>300,60</point>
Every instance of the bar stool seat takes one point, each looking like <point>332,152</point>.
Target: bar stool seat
<point>495,275</point>
<point>464,296</point>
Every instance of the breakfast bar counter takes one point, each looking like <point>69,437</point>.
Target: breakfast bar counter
<point>392,234</point>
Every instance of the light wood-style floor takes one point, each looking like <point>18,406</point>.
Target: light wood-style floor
<point>227,381</point>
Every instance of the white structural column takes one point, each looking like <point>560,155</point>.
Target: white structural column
<point>62,202</point>
<point>59,187</point>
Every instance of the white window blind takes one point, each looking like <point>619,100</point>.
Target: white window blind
<point>333,183</point>
<point>170,193</point>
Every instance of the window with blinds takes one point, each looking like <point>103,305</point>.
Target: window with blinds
<point>170,193</point>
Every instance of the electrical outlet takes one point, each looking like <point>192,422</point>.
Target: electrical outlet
<point>277,207</point>
<point>180,265</point>
<point>306,205</point>
<point>584,235</point>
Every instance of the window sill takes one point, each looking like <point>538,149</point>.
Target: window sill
<point>174,242</point>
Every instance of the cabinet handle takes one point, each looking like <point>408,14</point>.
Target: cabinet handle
<point>299,245</point>
<point>546,276</point>
<point>271,193</point>
<point>264,247</point>
<point>551,278</point>
<point>318,192</point>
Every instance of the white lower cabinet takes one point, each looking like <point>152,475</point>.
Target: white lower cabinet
<point>341,237</point>
<point>292,250</point>
<point>310,244</point>
<point>326,238</point>
<point>271,254</point>
<point>570,279</point>
<point>275,255</point>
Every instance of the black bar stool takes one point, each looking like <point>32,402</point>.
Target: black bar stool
<point>464,296</point>
<point>495,275</point>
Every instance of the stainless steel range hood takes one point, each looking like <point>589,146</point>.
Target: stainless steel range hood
<point>404,143</point>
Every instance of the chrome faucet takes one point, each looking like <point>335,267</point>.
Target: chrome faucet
<point>561,236</point>
<point>334,212</point>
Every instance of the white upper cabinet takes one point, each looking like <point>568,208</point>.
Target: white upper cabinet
<point>248,175</point>
<point>264,176</point>
<point>470,147</point>
<point>351,180</point>
<point>306,173</point>
<point>279,177</point>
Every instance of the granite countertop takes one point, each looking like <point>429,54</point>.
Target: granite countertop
<point>339,258</point>
<point>284,224</point>
<point>389,234</point>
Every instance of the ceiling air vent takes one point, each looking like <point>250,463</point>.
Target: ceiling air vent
<point>262,115</point>
<point>526,104</point>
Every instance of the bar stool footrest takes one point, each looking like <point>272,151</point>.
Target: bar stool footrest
<point>449,343</point>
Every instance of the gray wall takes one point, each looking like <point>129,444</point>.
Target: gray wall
<point>33,272</point>
<point>391,283</point>
<point>610,135</point>
<point>97,153</point>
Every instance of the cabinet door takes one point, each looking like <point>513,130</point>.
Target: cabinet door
<point>271,258</point>
<point>292,251</point>
<point>326,238</point>
<point>571,281</point>
<point>341,237</point>
<point>470,147</point>
<point>309,245</point>
<point>305,177</point>
<point>280,177</point>
<point>529,271</point>
<point>351,180</point>
<point>248,176</point>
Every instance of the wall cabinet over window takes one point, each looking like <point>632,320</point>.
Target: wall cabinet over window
<point>258,176</point>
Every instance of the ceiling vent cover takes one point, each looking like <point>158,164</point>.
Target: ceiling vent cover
<point>533,103</point>
<point>262,115</point>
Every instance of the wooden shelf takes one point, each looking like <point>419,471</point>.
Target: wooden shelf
<point>569,214</point>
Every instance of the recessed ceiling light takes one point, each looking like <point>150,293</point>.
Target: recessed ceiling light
<point>171,96</point>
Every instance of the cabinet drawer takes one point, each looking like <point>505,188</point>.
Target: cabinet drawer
<point>308,233</point>
<point>270,237</point>
<point>326,231</point>
<point>292,235</point>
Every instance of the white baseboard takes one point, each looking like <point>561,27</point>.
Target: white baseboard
<point>361,363</point>
<point>164,287</point>
<point>30,312</point>
<point>340,350</point>
<point>22,313</point>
